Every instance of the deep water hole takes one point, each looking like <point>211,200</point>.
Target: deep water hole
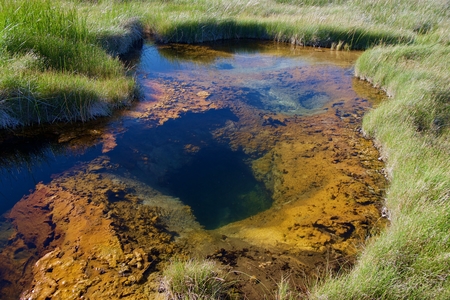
<point>183,158</point>
<point>219,186</point>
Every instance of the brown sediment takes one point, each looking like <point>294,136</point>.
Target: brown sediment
<point>170,101</point>
<point>83,235</point>
<point>94,234</point>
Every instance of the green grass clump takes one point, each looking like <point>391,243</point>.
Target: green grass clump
<point>194,279</point>
<point>28,96</point>
<point>53,68</point>
<point>58,35</point>
<point>284,291</point>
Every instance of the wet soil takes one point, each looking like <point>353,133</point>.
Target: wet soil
<point>108,226</point>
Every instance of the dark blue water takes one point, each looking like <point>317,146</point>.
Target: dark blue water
<point>25,164</point>
<point>219,186</point>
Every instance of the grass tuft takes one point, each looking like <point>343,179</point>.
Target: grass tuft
<point>53,67</point>
<point>284,291</point>
<point>194,279</point>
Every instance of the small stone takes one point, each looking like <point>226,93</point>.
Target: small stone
<point>203,94</point>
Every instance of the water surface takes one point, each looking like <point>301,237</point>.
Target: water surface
<point>256,142</point>
<point>263,78</point>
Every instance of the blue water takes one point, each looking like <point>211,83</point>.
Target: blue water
<point>37,162</point>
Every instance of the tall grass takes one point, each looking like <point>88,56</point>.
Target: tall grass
<point>58,35</point>
<point>306,24</point>
<point>53,68</point>
<point>284,291</point>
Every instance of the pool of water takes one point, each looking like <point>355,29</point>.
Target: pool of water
<point>244,144</point>
<point>183,159</point>
<point>263,77</point>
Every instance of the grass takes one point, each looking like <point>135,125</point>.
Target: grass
<point>64,66</point>
<point>194,279</point>
<point>54,68</point>
<point>284,291</point>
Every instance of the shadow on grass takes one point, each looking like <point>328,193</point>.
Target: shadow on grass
<point>317,35</point>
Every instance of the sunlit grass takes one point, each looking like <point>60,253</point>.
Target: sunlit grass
<point>59,36</point>
<point>285,290</point>
<point>54,67</point>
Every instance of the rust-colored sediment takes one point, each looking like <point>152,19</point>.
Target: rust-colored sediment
<point>327,185</point>
<point>82,235</point>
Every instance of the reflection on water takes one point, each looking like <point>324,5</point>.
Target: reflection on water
<point>254,141</point>
<point>26,161</point>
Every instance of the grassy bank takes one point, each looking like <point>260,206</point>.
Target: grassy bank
<point>63,65</point>
<point>53,66</point>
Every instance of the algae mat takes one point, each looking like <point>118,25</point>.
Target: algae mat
<point>248,153</point>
